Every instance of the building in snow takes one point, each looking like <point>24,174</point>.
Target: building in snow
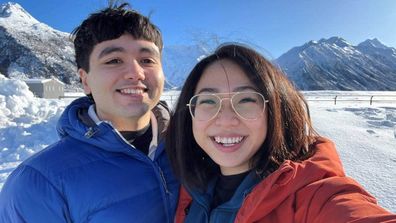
<point>46,88</point>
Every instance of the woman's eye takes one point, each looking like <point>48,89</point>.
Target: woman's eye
<point>247,100</point>
<point>114,61</point>
<point>207,101</point>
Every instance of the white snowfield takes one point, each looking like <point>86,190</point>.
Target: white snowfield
<point>365,134</point>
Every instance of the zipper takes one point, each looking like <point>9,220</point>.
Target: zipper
<point>156,168</point>
<point>163,180</point>
<point>152,163</point>
<point>166,193</point>
<point>158,172</point>
<point>91,131</point>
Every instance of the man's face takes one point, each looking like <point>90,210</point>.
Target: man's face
<point>126,81</point>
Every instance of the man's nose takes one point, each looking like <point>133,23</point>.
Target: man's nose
<point>135,71</point>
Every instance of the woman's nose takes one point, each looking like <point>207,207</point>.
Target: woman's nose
<point>227,116</point>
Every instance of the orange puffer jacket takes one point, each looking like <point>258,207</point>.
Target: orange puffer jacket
<point>315,190</point>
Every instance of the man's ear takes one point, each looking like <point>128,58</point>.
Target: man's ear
<point>84,80</point>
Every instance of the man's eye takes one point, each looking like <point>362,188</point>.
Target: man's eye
<point>114,61</point>
<point>147,61</point>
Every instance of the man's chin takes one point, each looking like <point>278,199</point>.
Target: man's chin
<point>137,111</point>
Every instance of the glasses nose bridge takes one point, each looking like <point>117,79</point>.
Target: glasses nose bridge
<point>221,104</point>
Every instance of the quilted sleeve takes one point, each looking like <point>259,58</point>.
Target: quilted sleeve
<point>28,196</point>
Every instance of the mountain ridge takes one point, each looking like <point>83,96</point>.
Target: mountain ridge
<point>335,64</point>
<point>31,49</point>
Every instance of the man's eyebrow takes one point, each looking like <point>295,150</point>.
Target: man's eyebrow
<point>109,50</point>
<point>150,50</point>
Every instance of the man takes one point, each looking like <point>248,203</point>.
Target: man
<point>109,165</point>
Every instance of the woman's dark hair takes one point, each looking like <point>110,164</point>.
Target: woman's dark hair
<point>290,133</point>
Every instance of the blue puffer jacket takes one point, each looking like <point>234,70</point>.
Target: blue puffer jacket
<point>91,175</point>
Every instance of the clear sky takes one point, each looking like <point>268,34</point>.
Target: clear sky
<point>275,26</point>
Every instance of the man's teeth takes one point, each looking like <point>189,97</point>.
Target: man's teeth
<point>131,91</point>
<point>228,140</point>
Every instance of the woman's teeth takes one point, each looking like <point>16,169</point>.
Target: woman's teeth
<point>228,141</point>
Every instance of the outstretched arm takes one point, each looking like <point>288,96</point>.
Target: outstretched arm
<point>344,200</point>
<point>28,196</point>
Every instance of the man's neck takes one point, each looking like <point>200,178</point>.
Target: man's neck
<point>134,124</point>
<point>122,124</point>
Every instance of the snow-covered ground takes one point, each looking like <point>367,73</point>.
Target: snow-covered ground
<point>365,134</point>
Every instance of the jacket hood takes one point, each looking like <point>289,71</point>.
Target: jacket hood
<point>70,123</point>
<point>75,122</point>
<point>293,178</point>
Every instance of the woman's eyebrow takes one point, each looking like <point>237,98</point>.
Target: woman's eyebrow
<point>237,89</point>
<point>208,90</point>
<point>244,88</point>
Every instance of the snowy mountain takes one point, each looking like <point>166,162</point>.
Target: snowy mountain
<point>335,64</point>
<point>30,49</point>
<point>178,61</point>
<point>383,54</point>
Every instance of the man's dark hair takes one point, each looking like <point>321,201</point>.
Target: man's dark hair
<point>111,23</point>
<point>290,133</point>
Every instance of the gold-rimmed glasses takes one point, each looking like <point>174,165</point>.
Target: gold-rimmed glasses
<point>247,105</point>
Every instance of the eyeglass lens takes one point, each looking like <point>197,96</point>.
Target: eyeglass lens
<point>248,105</point>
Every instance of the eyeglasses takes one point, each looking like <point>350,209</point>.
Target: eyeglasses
<point>247,105</point>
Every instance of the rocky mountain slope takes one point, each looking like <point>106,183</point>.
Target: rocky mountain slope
<point>31,49</point>
<point>335,64</point>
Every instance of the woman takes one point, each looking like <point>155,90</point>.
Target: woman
<point>242,144</point>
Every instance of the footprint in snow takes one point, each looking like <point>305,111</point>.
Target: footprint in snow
<point>370,131</point>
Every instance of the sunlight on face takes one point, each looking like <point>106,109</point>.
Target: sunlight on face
<point>126,81</point>
<point>228,139</point>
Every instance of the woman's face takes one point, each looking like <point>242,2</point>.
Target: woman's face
<point>230,140</point>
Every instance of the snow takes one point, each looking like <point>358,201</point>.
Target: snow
<point>27,123</point>
<point>365,137</point>
<point>16,13</point>
<point>365,134</point>
<point>31,49</point>
<point>373,43</point>
<point>336,64</point>
<point>22,21</point>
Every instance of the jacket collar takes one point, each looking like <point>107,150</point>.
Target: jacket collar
<point>205,198</point>
<point>76,121</point>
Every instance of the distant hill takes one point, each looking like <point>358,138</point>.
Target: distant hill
<point>31,49</point>
<point>178,61</point>
<point>335,64</point>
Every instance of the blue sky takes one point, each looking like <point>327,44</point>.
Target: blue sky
<point>273,26</point>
